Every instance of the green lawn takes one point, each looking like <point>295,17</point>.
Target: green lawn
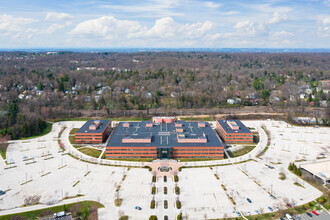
<point>73,131</point>
<point>44,132</point>
<point>240,152</point>
<point>90,152</point>
<point>74,208</point>
<point>72,139</point>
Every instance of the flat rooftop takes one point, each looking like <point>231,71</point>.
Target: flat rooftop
<point>242,128</point>
<point>164,134</point>
<point>320,169</point>
<point>85,128</point>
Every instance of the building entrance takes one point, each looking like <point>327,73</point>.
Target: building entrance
<point>164,153</point>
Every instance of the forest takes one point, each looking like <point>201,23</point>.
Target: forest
<point>67,84</point>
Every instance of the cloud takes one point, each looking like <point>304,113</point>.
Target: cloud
<point>281,35</point>
<point>324,26</point>
<point>250,28</point>
<point>54,16</point>
<point>212,5</point>
<point>152,8</point>
<point>55,27</point>
<point>168,28</point>
<point>110,28</point>
<point>10,24</point>
<point>277,18</point>
<point>107,27</point>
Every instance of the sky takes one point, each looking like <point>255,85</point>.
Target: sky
<point>164,24</point>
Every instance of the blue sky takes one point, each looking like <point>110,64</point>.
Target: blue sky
<point>165,23</point>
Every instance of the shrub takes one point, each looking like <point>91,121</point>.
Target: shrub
<point>282,176</point>
<point>179,217</point>
<point>153,204</point>
<point>154,179</point>
<point>176,178</point>
<point>153,190</point>
<point>153,217</point>
<point>177,190</point>
<point>178,204</point>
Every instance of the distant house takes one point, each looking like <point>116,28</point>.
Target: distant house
<point>302,96</point>
<point>309,91</point>
<point>325,83</point>
<point>231,101</point>
<point>21,96</point>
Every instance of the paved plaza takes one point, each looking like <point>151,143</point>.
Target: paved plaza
<point>41,172</point>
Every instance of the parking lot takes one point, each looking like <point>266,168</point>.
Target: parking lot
<point>323,215</point>
<point>41,173</point>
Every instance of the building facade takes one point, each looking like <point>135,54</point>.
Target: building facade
<point>93,132</point>
<point>234,131</point>
<point>164,138</point>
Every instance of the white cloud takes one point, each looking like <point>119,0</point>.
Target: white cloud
<point>55,27</point>
<point>54,16</point>
<point>277,18</point>
<point>152,8</point>
<point>110,28</point>
<point>16,27</point>
<point>10,24</point>
<point>107,27</point>
<point>324,26</point>
<point>212,5</point>
<point>281,35</point>
<point>250,28</point>
<point>168,28</point>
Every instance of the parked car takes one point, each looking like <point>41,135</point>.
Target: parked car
<point>59,214</point>
<point>270,208</point>
<point>249,200</point>
<point>309,214</point>
<point>281,218</point>
<point>165,178</point>
<point>248,213</point>
<point>271,196</point>
<point>297,217</point>
<point>288,216</point>
<point>2,192</point>
<point>289,205</point>
<point>256,211</point>
<point>315,213</point>
<point>239,214</point>
<point>138,207</point>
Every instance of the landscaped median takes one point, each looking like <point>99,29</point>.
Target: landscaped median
<point>77,209</point>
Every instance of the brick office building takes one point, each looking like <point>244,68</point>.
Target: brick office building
<point>93,132</point>
<point>234,131</point>
<point>164,138</point>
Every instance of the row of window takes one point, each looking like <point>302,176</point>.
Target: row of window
<point>182,149</point>
<point>130,149</point>
<point>196,153</point>
<point>133,153</point>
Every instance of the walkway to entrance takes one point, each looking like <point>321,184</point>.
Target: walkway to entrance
<point>171,164</point>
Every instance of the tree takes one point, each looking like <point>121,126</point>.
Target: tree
<point>85,213</point>
<point>12,112</point>
<point>40,86</point>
